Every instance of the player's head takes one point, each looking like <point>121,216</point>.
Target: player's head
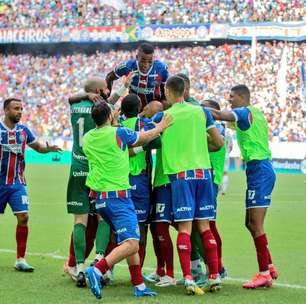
<point>145,57</point>
<point>101,113</point>
<point>13,109</point>
<point>130,105</point>
<point>174,90</point>
<point>187,84</point>
<point>209,103</point>
<point>152,108</point>
<point>97,85</point>
<point>239,96</point>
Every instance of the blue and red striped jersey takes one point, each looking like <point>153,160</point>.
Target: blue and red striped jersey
<point>12,146</point>
<point>149,86</point>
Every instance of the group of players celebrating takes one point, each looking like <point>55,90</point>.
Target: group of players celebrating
<point>115,192</point>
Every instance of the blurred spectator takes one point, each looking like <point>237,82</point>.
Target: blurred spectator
<point>45,83</point>
<point>60,13</point>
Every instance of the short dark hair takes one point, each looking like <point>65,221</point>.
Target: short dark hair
<point>213,104</point>
<point>100,112</point>
<point>185,77</point>
<point>242,90</point>
<point>146,48</point>
<point>130,105</point>
<point>7,101</point>
<point>176,85</point>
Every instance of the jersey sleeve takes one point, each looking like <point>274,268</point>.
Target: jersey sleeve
<point>31,138</point>
<point>125,136</point>
<point>243,118</point>
<point>158,117</point>
<point>221,129</point>
<point>148,124</point>
<point>164,73</point>
<point>123,69</point>
<point>210,122</point>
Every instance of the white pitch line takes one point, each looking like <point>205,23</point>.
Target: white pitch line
<point>54,255</point>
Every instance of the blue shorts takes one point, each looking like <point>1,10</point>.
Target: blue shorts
<point>192,199</point>
<point>120,214</point>
<point>260,183</point>
<point>162,204</point>
<point>140,190</point>
<point>16,196</point>
<point>215,198</point>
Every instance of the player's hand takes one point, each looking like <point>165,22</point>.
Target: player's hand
<point>53,148</point>
<point>94,97</point>
<point>115,117</point>
<point>166,122</point>
<point>128,79</point>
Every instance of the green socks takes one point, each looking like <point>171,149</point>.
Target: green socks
<point>79,242</point>
<point>102,237</point>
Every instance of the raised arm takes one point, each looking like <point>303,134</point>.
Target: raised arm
<point>110,77</point>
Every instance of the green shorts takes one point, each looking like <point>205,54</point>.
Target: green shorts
<point>78,201</point>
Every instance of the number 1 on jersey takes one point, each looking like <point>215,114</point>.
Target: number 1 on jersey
<point>80,122</point>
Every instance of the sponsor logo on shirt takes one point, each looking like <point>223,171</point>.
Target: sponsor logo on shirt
<point>122,230</point>
<point>100,205</point>
<point>79,173</point>
<point>208,207</point>
<point>183,209</point>
<point>78,156</point>
<point>14,148</point>
<point>73,203</point>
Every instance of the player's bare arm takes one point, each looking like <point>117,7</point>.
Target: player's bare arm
<point>110,77</point>
<point>147,136</point>
<point>222,115</point>
<point>123,90</point>
<point>38,147</point>
<point>215,139</point>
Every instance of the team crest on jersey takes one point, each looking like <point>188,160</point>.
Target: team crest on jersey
<point>22,137</point>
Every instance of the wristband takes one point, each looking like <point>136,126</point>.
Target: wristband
<point>122,91</point>
<point>137,150</point>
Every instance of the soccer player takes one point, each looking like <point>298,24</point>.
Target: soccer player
<point>185,160</point>
<point>78,202</point>
<point>106,148</point>
<point>139,176</point>
<point>14,137</point>
<point>252,136</point>
<point>162,216</point>
<point>149,75</point>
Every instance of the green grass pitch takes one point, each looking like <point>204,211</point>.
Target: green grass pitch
<point>50,228</point>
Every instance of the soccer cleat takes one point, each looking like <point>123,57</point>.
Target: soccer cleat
<point>180,281</point>
<point>22,265</point>
<point>202,281</point>
<point>147,292</point>
<point>152,278</point>
<point>94,281</point>
<point>166,281</point>
<point>197,273</point>
<point>259,280</point>
<point>192,288</point>
<point>223,273</point>
<point>72,272</point>
<point>98,257</point>
<point>81,280</point>
<point>94,262</point>
<point>107,278</point>
<point>273,272</point>
<point>213,283</point>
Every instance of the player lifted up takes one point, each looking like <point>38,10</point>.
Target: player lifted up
<point>14,137</point>
<point>253,140</point>
<point>149,75</point>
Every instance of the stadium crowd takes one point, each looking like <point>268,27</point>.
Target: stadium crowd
<point>60,13</point>
<point>45,83</point>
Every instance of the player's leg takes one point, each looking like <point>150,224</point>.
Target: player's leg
<point>102,238</point>
<point>79,244</point>
<point>121,214</point>
<point>183,206</point>
<point>260,180</point>
<point>18,200</point>
<point>204,212</point>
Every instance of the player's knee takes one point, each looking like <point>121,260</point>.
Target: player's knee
<point>133,246</point>
<point>22,219</point>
